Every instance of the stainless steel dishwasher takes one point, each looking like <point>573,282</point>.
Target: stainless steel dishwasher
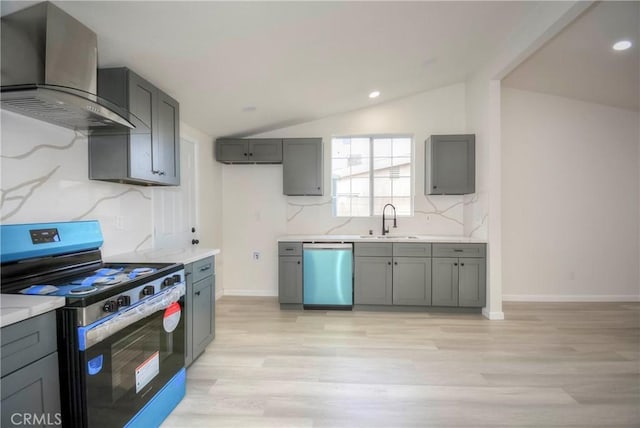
<point>327,276</point>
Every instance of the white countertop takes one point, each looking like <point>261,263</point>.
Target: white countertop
<point>378,238</point>
<point>17,307</point>
<point>165,255</point>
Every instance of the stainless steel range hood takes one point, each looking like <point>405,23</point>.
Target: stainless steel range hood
<point>49,70</point>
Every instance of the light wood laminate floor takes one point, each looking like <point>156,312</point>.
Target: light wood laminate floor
<point>546,364</point>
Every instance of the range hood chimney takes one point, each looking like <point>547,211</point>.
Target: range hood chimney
<point>49,70</point>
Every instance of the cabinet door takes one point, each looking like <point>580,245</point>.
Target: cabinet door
<point>142,102</point>
<point>412,281</point>
<point>373,281</point>
<point>268,150</point>
<point>166,154</point>
<point>203,315</point>
<point>32,390</point>
<point>472,282</point>
<point>452,163</point>
<point>232,150</point>
<point>445,281</point>
<point>302,166</point>
<point>290,279</point>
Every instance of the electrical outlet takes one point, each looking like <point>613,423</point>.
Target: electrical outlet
<point>256,255</point>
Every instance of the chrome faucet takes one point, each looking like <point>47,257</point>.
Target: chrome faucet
<point>385,230</point>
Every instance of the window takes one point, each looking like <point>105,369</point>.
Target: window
<point>369,172</point>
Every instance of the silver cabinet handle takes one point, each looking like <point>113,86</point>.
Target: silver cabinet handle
<point>202,269</point>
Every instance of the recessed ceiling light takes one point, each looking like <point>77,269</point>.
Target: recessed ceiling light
<point>622,45</point>
<point>374,94</point>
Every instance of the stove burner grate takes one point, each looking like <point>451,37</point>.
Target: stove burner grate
<point>83,290</point>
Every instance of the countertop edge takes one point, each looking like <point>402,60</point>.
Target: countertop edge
<point>17,307</point>
<point>358,238</point>
<point>173,255</point>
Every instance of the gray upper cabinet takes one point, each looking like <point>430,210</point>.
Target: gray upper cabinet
<point>451,161</point>
<point>148,154</point>
<point>302,167</point>
<point>257,150</point>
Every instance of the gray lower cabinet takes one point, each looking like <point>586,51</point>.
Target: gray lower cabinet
<point>255,150</point>
<point>412,281</point>
<point>445,282</point>
<point>392,274</point>
<point>373,281</point>
<point>302,160</point>
<point>30,383</point>
<point>200,303</point>
<point>148,154</point>
<point>290,273</point>
<point>459,281</point>
<point>472,277</point>
<point>451,161</point>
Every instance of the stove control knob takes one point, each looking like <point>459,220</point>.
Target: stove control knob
<point>110,306</point>
<point>168,282</point>
<point>123,301</point>
<point>177,278</point>
<point>148,290</point>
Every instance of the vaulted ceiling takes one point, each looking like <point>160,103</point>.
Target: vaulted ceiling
<point>239,68</point>
<point>580,62</point>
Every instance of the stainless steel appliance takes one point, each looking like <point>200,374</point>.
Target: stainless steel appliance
<point>327,276</point>
<point>121,334</point>
<point>49,70</point>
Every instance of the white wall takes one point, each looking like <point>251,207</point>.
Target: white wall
<point>255,213</point>
<point>208,196</point>
<point>570,195</point>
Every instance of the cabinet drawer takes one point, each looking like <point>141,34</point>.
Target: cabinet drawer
<point>373,249</point>
<point>290,248</point>
<point>203,268</point>
<point>459,250</point>
<point>411,249</point>
<point>28,341</point>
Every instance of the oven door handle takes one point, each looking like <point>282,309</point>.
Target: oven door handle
<point>100,330</point>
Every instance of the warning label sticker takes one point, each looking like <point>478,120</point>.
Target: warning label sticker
<point>146,371</point>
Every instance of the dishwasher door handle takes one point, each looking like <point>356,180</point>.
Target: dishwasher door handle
<point>327,246</point>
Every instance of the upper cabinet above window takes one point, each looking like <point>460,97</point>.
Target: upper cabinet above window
<point>451,163</point>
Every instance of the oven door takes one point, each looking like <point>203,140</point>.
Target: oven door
<point>126,369</point>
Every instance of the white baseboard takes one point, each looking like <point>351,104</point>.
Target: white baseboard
<point>219,293</point>
<point>245,292</point>
<point>570,298</point>
<point>493,316</point>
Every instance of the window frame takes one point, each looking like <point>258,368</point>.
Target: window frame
<point>372,138</point>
